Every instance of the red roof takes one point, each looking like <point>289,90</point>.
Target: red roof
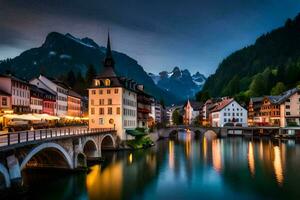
<point>222,104</point>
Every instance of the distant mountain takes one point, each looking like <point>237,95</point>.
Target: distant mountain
<point>60,54</point>
<point>269,66</point>
<point>179,82</point>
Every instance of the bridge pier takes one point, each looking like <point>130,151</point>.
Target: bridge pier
<point>13,167</point>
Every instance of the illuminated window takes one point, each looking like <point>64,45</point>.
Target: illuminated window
<point>107,82</point>
<point>97,82</point>
<point>118,110</point>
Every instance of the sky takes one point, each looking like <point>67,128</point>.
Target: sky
<point>160,34</point>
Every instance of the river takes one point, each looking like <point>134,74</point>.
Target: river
<point>184,168</point>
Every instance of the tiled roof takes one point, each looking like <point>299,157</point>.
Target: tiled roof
<point>256,99</point>
<point>222,104</point>
<point>12,77</point>
<point>284,96</point>
<point>74,94</point>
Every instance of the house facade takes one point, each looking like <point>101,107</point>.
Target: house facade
<point>74,104</point>
<point>228,111</point>
<point>19,91</point>
<point>57,88</point>
<point>270,111</point>
<point>5,102</point>
<point>290,108</point>
<point>254,117</point>
<point>113,100</point>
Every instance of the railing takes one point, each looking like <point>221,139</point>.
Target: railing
<point>43,134</point>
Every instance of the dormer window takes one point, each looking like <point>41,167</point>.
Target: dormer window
<point>107,82</point>
<point>97,82</point>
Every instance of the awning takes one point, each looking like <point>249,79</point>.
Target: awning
<point>135,133</point>
<point>31,117</point>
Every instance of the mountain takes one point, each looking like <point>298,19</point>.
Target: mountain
<point>60,54</point>
<point>179,82</point>
<point>269,66</point>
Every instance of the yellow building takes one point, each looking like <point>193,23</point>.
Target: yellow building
<point>113,100</point>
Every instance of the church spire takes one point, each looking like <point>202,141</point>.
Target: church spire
<point>108,61</point>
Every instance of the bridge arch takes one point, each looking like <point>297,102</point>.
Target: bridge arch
<point>5,174</point>
<point>90,148</point>
<point>52,147</point>
<point>107,142</point>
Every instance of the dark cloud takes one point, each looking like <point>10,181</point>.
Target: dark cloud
<point>196,34</point>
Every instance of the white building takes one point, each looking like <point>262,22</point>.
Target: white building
<point>57,88</point>
<point>229,111</point>
<point>156,111</point>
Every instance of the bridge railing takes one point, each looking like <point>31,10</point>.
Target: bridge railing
<point>13,138</point>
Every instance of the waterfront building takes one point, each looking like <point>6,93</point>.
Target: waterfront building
<point>57,88</point>
<point>74,104</point>
<point>290,108</point>
<point>49,102</point>
<point>228,112</point>
<point>207,107</point>
<point>113,100</point>
<point>5,102</point>
<point>254,107</point>
<point>36,99</point>
<point>19,91</point>
<point>191,111</point>
<point>156,111</point>
<point>269,112</point>
<point>143,107</point>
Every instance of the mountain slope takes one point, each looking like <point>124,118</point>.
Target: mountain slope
<point>60,54</point>
<point>256,69</point>
<point>179,82</point>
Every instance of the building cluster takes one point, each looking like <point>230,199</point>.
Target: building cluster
<point>217,112</point>
<point>119,102</point>
<point>41,95</point>
<point>279,111</point>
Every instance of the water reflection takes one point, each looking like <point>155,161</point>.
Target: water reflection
<point>187,168</point>
<point>251,161</point>
<point>277,165</point>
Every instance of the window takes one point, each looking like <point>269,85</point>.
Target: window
<point>108,91</point>
<point>93,91</point>
<point>4,101</point>
<point>101,111</point>
<point>109,102</point>
<point>287,106</point>
<point>109,111</point>
<point>288,100</point>
<point>118,110</point>
<point>100,91</point>
<point>225,120</point>
<point>287,113</point>
<point>101,101</point>
<point>92,111</point>
<point>97,82</point>
<point>225,114</point>
<point>107,82</point>
<point>116,91</point>
<point>92,102</point>
<point>101,121</point>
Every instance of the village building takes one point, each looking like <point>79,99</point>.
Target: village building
<point>192,110</point>
<point>270,111</point>
<point>74,104</point>
<point>19,91</point>
<point>228,113</point>
<point>5,102</point>
<point>113,100</point>
<point>143,107</point>
<point>290,108</point>
<point>156,111</point>
<point>36,99</point>
<point>57,88</point>
<point>254,107</point>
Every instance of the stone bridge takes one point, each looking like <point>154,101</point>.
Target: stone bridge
<point>64,148</point>
<point>222,131</point>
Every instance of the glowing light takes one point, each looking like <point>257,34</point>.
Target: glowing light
<point>277,166</point>
<point>204,148</point>
<point>251,161</point>
<point>171,154</point>
<point>130,158</point>
<point>216,155</point>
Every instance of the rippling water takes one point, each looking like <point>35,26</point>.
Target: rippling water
<point>186,168</point>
